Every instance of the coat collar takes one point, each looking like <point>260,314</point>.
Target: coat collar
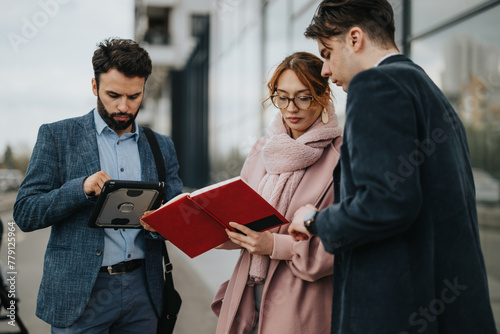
<point>394,59</point>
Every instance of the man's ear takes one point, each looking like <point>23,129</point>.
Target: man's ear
<point>356,39</point>
<point>94,87</point>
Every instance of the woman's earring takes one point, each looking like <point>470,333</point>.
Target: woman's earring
<point>324,116</point>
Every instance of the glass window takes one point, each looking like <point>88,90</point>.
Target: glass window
<point>276,46</point>
<point>299,26</point>
<point>299,6</point>
<point>250,12</point>
<point>226,25</point>
<point>198,24</point>
<point>397,7</point>
<point>236,92</point>
<point>429,13</point>
<point>158,25</point>
<point>464,61</point>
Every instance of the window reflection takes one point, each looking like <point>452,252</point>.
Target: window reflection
<point>465,62</point>
<point>277,32</point>
<point>158,26</point>
<point>397,7</point>
<point>467,69</point>
<point>427,13</point>
<point>236,88</point>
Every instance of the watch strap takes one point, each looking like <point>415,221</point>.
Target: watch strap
<point>311,227</point>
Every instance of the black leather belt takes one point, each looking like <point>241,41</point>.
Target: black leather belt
<point>123,267</point>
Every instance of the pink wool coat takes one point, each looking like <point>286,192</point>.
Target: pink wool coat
<point>297,294</point>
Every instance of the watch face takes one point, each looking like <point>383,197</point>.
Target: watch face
<point>310,216</point>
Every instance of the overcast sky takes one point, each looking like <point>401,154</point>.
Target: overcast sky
<point>46,48</point>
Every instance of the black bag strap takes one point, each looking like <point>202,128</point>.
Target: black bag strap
<point>162,177</point>
<point>336,183</point>
<point>155,148</point>
<point>336,174</point>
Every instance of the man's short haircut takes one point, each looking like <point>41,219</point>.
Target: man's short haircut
<point>336,17</point>
<point>124,55</point>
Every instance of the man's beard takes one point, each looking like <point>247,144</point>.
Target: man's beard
<point>110,121</point>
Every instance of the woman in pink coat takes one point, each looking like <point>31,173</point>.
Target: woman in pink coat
<point>280,285</point>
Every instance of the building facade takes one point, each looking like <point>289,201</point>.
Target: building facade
<point>176,35</point>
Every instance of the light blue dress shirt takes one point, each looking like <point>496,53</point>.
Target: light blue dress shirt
<point>119,158</point>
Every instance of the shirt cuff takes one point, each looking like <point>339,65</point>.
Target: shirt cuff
<point>283,247</point>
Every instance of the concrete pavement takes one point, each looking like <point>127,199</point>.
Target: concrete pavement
<point>28,253</point>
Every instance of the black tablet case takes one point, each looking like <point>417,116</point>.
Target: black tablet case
<point>121,204</point>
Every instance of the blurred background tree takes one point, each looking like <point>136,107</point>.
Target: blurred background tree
<point>15,158</point>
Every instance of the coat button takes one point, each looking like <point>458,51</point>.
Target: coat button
<point>98,252</point>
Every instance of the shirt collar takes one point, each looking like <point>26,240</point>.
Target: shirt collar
<point>385,57</point>
<point>100,126</point>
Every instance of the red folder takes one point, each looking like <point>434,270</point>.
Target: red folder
<point>196,222</point>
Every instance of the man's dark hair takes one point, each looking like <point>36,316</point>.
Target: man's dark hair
<point>336,17</point>
<point>124,55</point>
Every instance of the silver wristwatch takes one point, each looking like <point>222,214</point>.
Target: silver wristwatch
<point>309,221</point>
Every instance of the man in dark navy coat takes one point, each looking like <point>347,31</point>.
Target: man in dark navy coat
<point>404,226</point>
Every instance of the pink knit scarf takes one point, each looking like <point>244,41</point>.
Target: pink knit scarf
<point>286,160</point>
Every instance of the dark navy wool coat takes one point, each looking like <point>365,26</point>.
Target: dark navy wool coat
<point>405,233</point>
